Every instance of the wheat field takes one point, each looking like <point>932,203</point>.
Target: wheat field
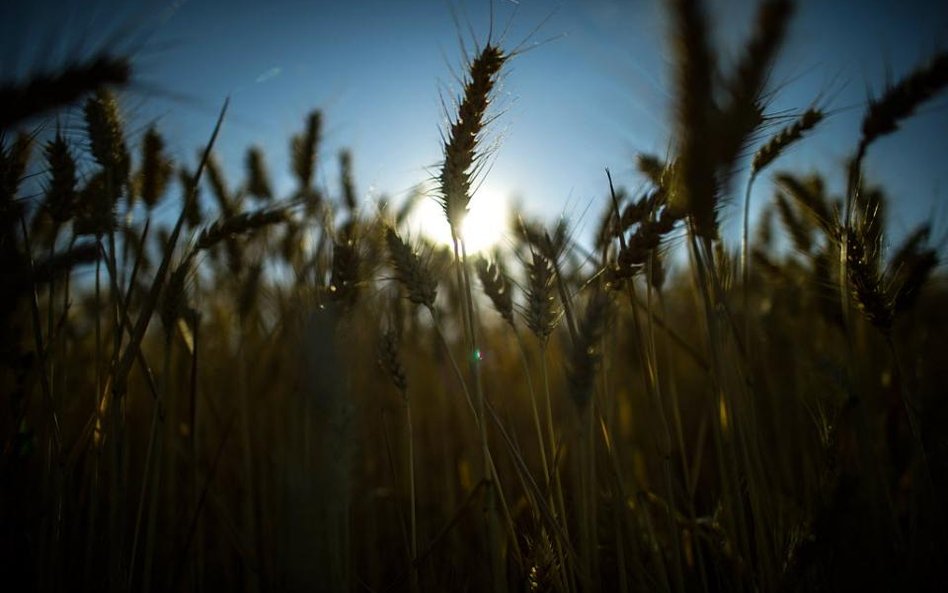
<point>271,392</point>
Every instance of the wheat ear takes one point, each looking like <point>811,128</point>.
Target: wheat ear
<point>238,224</point>
<point>411,271</point>
<point>882,117</point>
<point>61,193</point>
<point>767,153</point>
<point>460,147</point>
<point>585,353</point>
<point>156,168</point>
<point>540,313</point>
<point>900,100</point>
<point>258,179</point>
<point>743,113</point>
<point>497,287</point>
<point>696,190</point>
<point>303,150</point>
<point>346,181</point>
<point>46,92</point>
<point>107,135</point>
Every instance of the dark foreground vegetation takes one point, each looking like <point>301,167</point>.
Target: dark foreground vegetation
<point>289,393</point>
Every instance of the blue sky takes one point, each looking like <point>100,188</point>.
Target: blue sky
<point>590,94</point>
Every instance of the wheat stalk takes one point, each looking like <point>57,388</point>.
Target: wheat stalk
<point>220,191</point>
<point>809,195</point>
<point>460,146</point>
<point>881,118</point>
<point>646,238</point>
<point>346,272</point>
<point>695,194</point>
<point>346,182</point>
<point>107,135</point>
<point>96,215</point>
<point>13,161</point>
<point>258,179</point>
<point>156,168</point>
<point>303,150</point>
<point>497,287</point>
<point>652,167</point>
<point>46,92</point>
<point>390,361</point>
<point>743,114</point>
<point>411,272</point>
<point>798,227</point>
<point>540,312</point>
<point>238,224</point>
<point>61,193</point>
<point>586,352</point>
<point>767,153</point>
<point>900,100</point>
<point>866,283</point>
<point>190,198</point>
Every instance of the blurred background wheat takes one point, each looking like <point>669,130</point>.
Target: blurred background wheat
<point>727,375</point>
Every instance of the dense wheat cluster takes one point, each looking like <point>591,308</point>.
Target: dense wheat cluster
<point>291,393</point>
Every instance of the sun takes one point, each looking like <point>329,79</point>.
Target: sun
<point>483,229</point>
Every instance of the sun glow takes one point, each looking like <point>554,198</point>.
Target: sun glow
<point>484,228</point>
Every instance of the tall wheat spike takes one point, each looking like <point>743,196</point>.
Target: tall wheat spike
<point>696,192</point>
<point>497,287</point>
<point>900,100</point>
<point>882,117</point>
<point>746,88</point>
<point>219,189</point>
<point>107,135</point>
<point>61,193</point>
<point>411,272</point>
<point>540,312</point>
<point>767,153</point>
<point>156,169</point>
<point>346,182</point>
<point>258,179</point>
<point>304,149</point>
<point>460,146</point>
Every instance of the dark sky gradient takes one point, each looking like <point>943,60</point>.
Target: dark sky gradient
<point>589,96</point>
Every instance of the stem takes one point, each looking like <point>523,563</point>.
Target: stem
<point>146,479</point>
<point>498,579</point>
<point>652,354</point>
<point>542,447</point>
<point>158,434</point>
<point>411,489</point>
<point>533,404</point>
<point>649,362</point>
<point>730,485</point>
<point>745,259</point>
<point>98,340</point>
<point>556,481</point>
<point>454,362</point>
<point>853,183</point>
<point>194,450</point>
<point>249,509</point>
